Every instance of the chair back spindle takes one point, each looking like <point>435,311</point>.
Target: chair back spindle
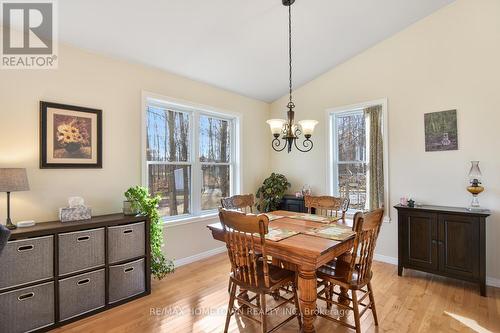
<point>242,232</point>
<point>367,227</point>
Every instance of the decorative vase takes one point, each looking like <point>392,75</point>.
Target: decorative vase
<point>306,190</point>
<point>73,147</point>
<point>128,208</point>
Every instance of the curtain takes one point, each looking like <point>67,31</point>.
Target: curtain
<point>373,117</point>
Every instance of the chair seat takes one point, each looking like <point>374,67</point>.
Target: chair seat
<point>337,272</point>
<point>277,278</point>
<point>345,258</point>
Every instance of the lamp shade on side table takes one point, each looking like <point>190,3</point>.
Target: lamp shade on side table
<point>13,180</point>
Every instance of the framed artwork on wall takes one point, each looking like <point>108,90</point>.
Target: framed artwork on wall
<point>441,131</point>
<point>70,136</point>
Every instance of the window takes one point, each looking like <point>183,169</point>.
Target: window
<point>350,152</point>
<point>215,160</point>
<point>190,157</point>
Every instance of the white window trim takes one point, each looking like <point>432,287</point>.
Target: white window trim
<point>196,110</point>
<point>330,147</point>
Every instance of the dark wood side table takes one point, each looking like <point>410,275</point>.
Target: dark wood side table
<point>447,241</point>
<point>293,204</point>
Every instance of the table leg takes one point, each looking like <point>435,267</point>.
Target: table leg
<point>307,298</point>
<point>344,295</point>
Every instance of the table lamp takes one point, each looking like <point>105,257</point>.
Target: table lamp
<point>12,180</point>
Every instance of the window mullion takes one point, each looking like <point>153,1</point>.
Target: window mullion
<point>234,186</point>
<point>336,187</point>
<point>196,169</point>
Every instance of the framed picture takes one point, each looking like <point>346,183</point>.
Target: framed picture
<point>441,131</point>
<point>70,136</point>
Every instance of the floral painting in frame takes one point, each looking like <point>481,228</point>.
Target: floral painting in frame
<point>70,136</point>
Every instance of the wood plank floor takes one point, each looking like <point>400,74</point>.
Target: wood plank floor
<point>194,299</point>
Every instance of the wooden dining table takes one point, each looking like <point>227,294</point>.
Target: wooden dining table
<point>304,252</point>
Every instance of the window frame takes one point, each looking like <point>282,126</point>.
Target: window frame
<point>195,111</point>
<point>332,150</point>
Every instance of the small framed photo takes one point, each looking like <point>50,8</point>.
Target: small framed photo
<point>70,136</point>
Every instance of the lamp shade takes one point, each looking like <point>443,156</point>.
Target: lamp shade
<point>13,180</point>
<point>276,125</point>
<point>475,172</point>
<point>308,126</point>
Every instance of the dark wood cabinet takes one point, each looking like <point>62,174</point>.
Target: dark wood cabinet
<point>293,204</point>
<point>447,241</point>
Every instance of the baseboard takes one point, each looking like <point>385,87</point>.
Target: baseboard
<point>386,259</point>
<point>199,256</point>
<point>490,281</point>
<point>493,282</point>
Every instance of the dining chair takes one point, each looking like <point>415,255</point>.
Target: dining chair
<point>245,239</point>
<point>243,202</point>
<point>240,202</point>
<point>327,205</point>
<point>354,271</point>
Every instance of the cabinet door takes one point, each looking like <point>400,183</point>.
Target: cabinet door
<point>293,205</point>
<point>420,232</point>
<point>459,245</point>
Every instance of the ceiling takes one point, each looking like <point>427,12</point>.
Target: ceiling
<point>238,45</point>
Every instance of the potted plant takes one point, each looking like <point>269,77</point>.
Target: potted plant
<point>147,205</point>
<point>271,192</point>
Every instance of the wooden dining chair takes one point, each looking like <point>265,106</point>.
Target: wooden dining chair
<point>240,202</point>
<point>327,205</point>
<point>243,203</point>
<point>354,273</point>
<point>244,235</point>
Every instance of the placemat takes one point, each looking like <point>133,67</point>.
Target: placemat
<point>273,217</point>
<point>277,234</point>
<point>314,218</point>
<point>333,232</point>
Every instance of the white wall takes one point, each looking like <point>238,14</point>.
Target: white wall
<point>449,60</point>
<point>115,86</point>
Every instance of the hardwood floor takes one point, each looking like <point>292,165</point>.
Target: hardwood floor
<point>194,299</point>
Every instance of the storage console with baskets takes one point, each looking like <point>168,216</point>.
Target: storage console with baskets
<point>54,273</point>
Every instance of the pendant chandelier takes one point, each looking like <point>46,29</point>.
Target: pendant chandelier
<point>287,128</point>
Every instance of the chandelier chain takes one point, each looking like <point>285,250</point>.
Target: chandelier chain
<point>285,132</point>
<point>290,48</point>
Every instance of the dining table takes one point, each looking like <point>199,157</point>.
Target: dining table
<point>304,251</point>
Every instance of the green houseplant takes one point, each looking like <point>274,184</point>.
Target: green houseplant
<point>147,205</point>
<point>271,192</point>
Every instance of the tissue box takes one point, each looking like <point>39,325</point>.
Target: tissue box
<point>67,214</point>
